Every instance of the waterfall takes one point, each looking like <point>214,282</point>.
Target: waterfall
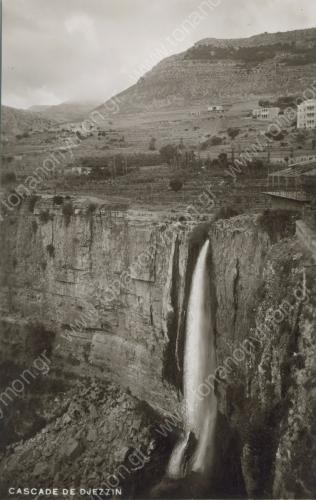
<point>199,363</point>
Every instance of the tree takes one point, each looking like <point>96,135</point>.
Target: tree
<point>301,137</point>
<point>233,132</point>
<point>279,136</point>
<point>152,144</point>
<point>168,153</point>
<point>216,141</point>
<point>264,103</point>
<point>8,159</point>
<point>176,184</point>
<point>212,141</point>
<point>222,157</point>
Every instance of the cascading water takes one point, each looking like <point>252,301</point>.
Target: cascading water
<point>199,363</point>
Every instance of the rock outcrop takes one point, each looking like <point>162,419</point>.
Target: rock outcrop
<point>92,436</point>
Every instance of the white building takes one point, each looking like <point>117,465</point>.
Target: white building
<point>306,114</point>
<point>266,113</point>
<point>216,109</point>
<point>77,170</point>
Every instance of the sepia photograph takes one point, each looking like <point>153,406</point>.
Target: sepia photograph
<point>158,250</point>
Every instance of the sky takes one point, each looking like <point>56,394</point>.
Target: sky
<point>60,50</point>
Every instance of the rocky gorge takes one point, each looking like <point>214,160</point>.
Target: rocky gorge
<point>103,291</point>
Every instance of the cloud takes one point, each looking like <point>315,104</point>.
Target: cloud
<point>83,26</point>
<point>56,50</point>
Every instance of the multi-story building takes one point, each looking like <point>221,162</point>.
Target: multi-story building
<point>268,114</point>
<point>306,114</point>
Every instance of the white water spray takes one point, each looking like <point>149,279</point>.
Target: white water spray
<point>199,363</point>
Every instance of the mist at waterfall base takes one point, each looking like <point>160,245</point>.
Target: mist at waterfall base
<point>199,363</point>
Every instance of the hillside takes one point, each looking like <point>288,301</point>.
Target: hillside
<point>263,65</point>
<point>16,121</point>
<point>69,111</point>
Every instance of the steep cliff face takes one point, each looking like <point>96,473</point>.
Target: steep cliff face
<point>112,285</point>
<point>265,379</point>
<point>103,280</point>
<point>239,249</point>
<point>109,288</point>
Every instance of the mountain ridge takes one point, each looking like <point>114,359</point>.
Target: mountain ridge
<point>260,39</point>
<point>68,111</point>
<point>274,64</point>
<point>16,121</point>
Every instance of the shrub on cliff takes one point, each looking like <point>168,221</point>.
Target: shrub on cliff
<point>278,223</point>
<point>226,212</point>
<point>58,200</point>
<point>68,211</point>
<point>39,340</point>
<point>45,216</point>
<point>32,202</point>
<point>51,250</point>
<point>34,226</point>
<point>91,208</point>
